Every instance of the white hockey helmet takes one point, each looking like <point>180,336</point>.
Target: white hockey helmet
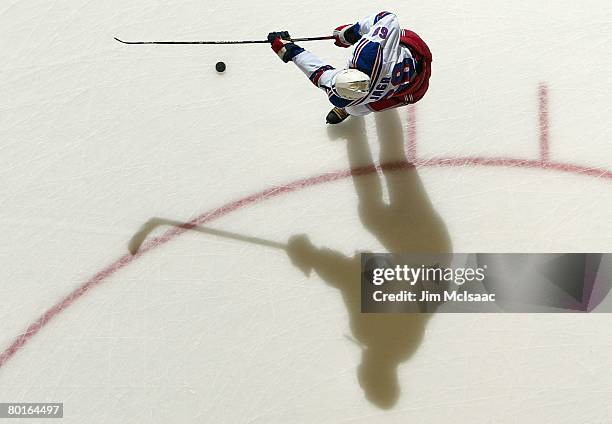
<point>352,84</point>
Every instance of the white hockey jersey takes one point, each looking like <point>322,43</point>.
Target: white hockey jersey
<point>378,53</point>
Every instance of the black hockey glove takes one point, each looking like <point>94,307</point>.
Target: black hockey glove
<point>283,46</point>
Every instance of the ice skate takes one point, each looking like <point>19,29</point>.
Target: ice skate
<point>336,115</point>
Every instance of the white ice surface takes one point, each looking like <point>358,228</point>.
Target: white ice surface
<point>97,137</point>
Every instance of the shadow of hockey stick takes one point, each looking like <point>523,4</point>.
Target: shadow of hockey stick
<point>138,239</point>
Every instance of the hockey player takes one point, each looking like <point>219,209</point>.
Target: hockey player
<point>390,67</point>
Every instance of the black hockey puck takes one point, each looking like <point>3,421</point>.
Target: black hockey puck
<point>220,67</point>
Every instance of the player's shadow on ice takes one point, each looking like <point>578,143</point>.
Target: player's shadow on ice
<point>407,223</point>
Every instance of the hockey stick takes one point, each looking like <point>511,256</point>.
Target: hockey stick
<point>138,239</point>
<point>329,37</point>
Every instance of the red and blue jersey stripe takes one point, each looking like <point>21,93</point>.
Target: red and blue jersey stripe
<point>316,75</point>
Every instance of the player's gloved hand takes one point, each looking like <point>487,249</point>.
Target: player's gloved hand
<point>283,35</point>
<point>346,36</point>
<point>283,46</point>
<point>300,251</point>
